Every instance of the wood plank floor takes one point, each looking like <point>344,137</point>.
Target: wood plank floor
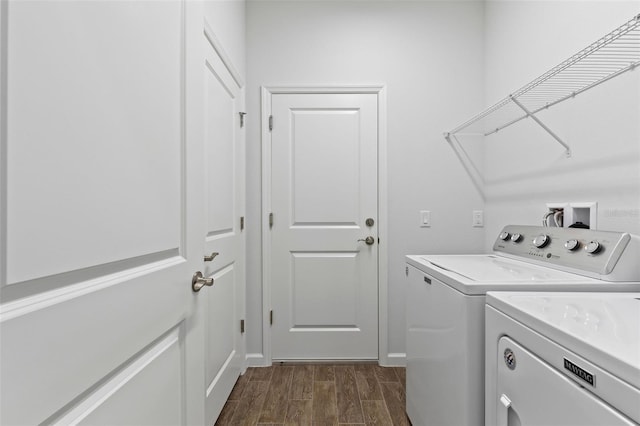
<point>318,395</point>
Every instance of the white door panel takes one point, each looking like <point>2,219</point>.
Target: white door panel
<point>76,340</point>
<point>97,314</point>
<point>323,194</point>
<point>95,91</point>
<point>154,374</point>
<point>316,279</point>
<point>323,188</point>
<point>220,122</point>
<point>221,320</point>
<point>224,159</point>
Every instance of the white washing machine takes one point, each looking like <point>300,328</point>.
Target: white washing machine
<point>563,359</point>
<point>446,299</point>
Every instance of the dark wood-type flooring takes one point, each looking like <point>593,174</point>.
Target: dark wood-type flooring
<point>319,395</point>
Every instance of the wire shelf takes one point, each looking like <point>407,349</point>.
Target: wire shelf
<point>610,56</point>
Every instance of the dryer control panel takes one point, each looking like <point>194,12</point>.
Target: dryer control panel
<point>599,254</point>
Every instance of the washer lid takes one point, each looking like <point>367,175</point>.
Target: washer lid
<point>477,274</point>
<point>498,269</point>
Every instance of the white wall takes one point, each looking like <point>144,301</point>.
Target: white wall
<point>525,167</point>
<point>430,56</point>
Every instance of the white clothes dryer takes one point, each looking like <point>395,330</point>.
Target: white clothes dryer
<point>445,307</point>
<point>562,359</point>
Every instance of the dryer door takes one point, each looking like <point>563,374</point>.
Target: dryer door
<point>530,392</point>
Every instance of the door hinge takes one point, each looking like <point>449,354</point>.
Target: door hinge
<point>241,223</point>
<point>270,122</point>
<point>241,326</point>
<point>270,220</point>
<point>242,114</point>
<point>270,317</point>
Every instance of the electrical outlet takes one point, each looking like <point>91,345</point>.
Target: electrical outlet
<point>478,218</point>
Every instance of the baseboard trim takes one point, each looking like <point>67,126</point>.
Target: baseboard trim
<point>256,360</point>
<point>396,360</point>
<point>324,361</point>
<point>392,360</point>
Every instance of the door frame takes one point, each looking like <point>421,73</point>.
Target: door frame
<point>266,94</point>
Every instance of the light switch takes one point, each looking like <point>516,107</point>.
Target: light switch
<point>478,218</point>
<point>425,218</point>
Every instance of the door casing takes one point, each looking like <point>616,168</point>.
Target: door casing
<point>266,94</point>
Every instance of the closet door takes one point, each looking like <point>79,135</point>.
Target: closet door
<point>224,238</point>
<point>101,204</point>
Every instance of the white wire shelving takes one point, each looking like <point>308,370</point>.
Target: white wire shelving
<point>608,57</point>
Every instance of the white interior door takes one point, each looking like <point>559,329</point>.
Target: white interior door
<point>224,240</point>
<point>98,143</point>
<point>324,186</point>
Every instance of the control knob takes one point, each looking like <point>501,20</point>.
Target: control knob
<point>504,236</point>
<point>541,241</point>
<point>572,245</point>
<point>593,247</point>
<point>516,237</point>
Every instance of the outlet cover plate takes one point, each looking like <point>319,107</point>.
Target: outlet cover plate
<point>478,218</point>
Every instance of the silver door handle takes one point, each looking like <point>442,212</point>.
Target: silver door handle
<point>211,256</point>
<point>369,240</point>
<point>198,281</point>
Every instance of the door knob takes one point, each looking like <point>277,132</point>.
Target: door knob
<point>369,240</point>
<point>198,281</point>
<point>210,257</point>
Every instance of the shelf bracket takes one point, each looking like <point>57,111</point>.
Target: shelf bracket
<point>548,130</point>
<point>469,166</point>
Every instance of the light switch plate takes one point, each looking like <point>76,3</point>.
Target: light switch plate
<point>425,218</point>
